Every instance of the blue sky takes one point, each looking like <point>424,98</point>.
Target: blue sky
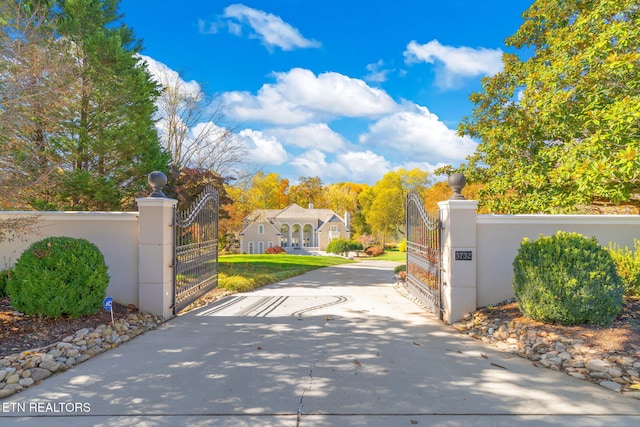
<point>340,89</point>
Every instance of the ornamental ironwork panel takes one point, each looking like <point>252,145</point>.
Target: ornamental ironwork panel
<point>423,254</point>
<point>196,249</point>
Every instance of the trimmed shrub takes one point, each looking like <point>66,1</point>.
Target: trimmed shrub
<point>568,279</point>
<point>402,246</point>
<point>275,250</point>
<point>628,267</point>
<point>59,276</point>
<point>236,283</point>
<point>399,268</point>
<point>374,251</point>
<point>4,279</point>
<point>343,246</point>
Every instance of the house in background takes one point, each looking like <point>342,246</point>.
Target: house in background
<point>296,229</point>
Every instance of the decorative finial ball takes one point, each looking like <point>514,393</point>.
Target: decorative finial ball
<point>157,180</point>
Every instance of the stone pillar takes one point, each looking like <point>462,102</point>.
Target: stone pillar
<point>155,272</point>
<point>458,258</point>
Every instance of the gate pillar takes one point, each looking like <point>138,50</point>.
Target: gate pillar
<point>155,268</point>
<point>458,258</point>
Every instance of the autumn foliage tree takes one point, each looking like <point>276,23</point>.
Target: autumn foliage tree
<point>308,191</point>
<point>37,77</point>
<point>560,125</point>
<point>383,204</point>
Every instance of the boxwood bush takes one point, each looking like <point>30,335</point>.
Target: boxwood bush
<point>343,246</point>
<point>59,276</point>
<point>567,278</point>
<point>628,267</point>
<point>4,278</point>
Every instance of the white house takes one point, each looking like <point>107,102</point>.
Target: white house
<point>296,229</point>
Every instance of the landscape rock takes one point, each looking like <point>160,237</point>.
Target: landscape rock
<point>21,370</point>
<point>547,349</point>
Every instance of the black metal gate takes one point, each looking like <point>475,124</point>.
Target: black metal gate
<point>423,254</point>
<point>195,265</point>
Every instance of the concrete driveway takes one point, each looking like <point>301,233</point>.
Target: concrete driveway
<point>334,347</point>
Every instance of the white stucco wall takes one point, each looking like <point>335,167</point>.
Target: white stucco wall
<point>498,239</point>
<point>114,233</point>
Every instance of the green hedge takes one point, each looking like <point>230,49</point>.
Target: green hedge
<point>628,267</point>
<point>568,279</point>
<point>59,276</point>
<point>4,279</point>
<point>343,246</point>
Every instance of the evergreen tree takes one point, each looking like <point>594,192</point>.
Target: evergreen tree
<point>77,107</point>
<point>110,144</point>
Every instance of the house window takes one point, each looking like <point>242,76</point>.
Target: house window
<point>334,228</point>
<point>270,244</point>
<point>250,248</point>
<point>260,229</point>
<point>260,247</point>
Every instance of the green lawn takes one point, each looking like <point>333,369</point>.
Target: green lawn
<point>392,255</point>
<point>242,273</point>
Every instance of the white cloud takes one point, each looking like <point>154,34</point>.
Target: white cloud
<point>418,133</point>
<point>269,28</point>
<point>262,149</point>
<point>457,62</point>
<point>315,135</point>
<point>352,166</point>
<point>267,106</point>
<point>165,76</point>
<point>425,166</point>
<point>365,166</point>
<point>300,96</point>
<point>377,73</point>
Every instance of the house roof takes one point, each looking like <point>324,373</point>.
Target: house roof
<point>330,219</point>
<point>291,212</point>
<point>266,213</point>
<point>295,211</point>
<point>259,215</point>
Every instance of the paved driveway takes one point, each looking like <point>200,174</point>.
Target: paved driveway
<point>334,347</point>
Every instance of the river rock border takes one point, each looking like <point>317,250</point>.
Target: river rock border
<point>21,370</point>
<point>574,357</point>
<point>616,372</point>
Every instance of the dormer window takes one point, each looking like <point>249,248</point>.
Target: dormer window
<point>260,228</point>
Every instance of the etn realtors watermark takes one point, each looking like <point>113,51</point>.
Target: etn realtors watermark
<point>45,407</point>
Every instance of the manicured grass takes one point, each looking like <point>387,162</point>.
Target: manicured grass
<point>242,273</point>
<point>392,255</point>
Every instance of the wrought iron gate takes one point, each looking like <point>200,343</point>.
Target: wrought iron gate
<point>423,254</point>
<point>195,265</point>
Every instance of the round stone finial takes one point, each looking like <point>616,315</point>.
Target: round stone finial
<point>157,180</point>
<point>457,183</point>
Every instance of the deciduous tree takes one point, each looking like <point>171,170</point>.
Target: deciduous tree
<point>193,127</point>
<point>309,190</point>
<point>37,80</point>
<point>560,125</point>
<point>383,205</point>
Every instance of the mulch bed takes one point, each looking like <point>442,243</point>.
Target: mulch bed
<point>19,332</point>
